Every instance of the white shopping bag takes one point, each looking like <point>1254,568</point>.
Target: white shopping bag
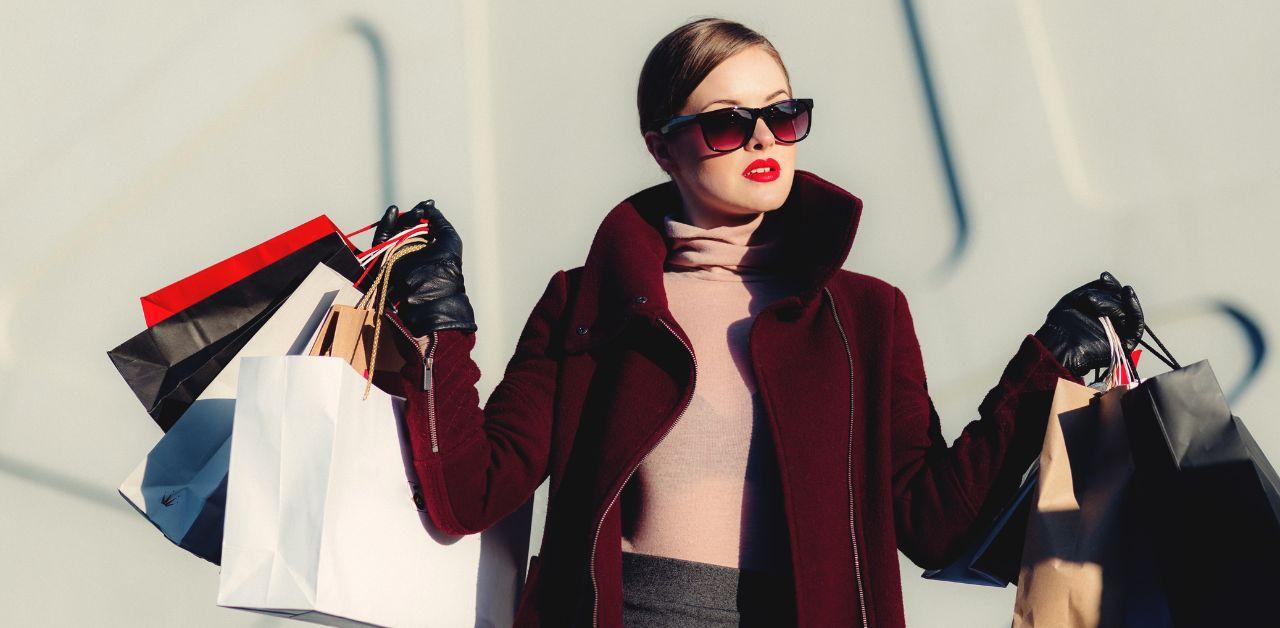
<point>321,523</point>
<point>180,485</point>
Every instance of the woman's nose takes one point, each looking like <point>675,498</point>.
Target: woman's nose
<point>762,137</point>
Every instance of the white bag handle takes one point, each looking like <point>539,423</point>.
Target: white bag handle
<point>371,255</point>
<point>1120,373</point>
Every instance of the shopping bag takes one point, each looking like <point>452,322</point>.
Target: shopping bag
<point>320,522</point>
<point>169,364</point>
<point>181,485</point>
<point>991,557</point>
<point>1000,559</point>
<point>353,333</point>
<point>993,554</point>
<point>1208,497</point>
<point>188,291</point>
<point>1081,566</point>
<point>1072,530</point>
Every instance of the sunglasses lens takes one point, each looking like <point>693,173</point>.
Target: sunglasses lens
<point>789,121</point>
<point>727,131</point>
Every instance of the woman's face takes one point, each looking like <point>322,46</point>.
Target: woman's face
<point>713,185</point>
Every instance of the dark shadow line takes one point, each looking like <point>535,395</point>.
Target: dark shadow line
<point>959,212</point>
<point>382,87</point>
<point>63,483</point>
<point>1257,344</point>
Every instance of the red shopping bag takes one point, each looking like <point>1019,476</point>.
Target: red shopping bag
<point>184,293</point>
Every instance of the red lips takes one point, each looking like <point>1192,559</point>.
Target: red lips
<point>763,177</point>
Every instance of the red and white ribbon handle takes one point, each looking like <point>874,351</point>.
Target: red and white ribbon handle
<point>371,255</point>
<point>1120,374</point>
<point>368,257</point>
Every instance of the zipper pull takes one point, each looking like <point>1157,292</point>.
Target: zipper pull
<point>426,373</point>
<point>427,361</point>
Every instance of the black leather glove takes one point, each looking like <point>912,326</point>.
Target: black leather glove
<point>427,284</point>
<point>1073,333</point>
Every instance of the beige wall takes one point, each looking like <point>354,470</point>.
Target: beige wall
<point>142,141</point>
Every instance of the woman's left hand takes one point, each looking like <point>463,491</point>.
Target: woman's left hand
<point>1073,333</point>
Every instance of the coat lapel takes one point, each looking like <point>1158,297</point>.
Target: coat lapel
<point>622,276</point>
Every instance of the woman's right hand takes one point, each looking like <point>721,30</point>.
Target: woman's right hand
<point>427,285</point>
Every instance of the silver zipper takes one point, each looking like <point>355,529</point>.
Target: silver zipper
<point>428,385</point>
<point>595,590</point>
<point>853,536</point>
<point>428,359</point>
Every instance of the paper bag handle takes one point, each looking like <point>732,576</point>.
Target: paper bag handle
<point>1120,373</point>
<point>375,300</point>
<point>1167,358</point>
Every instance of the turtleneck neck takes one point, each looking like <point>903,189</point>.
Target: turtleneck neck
<point>743,252</point>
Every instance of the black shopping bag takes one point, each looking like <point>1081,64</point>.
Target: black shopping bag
<point>993,552</point>
<point>1208,498</point>
<point>169,364</point>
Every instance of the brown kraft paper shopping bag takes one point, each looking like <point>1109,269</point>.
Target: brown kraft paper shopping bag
<point>1071,559</point>
<point>355,333</point>
<point>342,335</point>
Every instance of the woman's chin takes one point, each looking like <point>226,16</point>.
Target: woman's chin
<point>765,196</point>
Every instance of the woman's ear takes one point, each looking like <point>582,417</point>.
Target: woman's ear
<point>661,151</point>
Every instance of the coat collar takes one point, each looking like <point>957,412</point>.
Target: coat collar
<point>622,276</point>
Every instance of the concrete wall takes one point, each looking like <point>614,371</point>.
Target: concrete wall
<point>1006,151</point>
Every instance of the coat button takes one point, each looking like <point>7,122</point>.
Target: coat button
<point>641,299</point>
<point>582,329</point>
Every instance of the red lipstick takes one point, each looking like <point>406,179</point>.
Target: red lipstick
<point>763,176</point>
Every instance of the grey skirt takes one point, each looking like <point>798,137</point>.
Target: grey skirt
<point>660,591</point>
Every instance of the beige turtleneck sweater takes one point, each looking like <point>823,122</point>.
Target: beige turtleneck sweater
<point>709,492</point>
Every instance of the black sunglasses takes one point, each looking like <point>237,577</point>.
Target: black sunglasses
<point>726,130</point>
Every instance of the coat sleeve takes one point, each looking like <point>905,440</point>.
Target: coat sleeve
<point>477,465</point>
<point>939,491</point>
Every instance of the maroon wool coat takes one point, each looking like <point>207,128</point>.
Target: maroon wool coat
<point>601,372</point>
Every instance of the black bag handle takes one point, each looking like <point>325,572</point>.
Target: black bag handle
<point>1166,357</point>
<point>1170,362</point>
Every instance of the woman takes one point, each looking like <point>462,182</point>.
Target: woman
<point>737,430</point>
